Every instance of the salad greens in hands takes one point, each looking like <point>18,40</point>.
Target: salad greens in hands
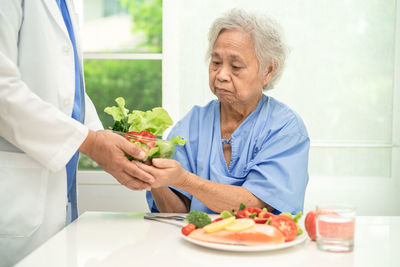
<point>145,126</point>
<point>155,121</point>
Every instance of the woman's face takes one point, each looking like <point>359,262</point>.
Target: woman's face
<point>234,70</point>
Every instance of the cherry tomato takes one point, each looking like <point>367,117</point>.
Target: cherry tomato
<point>286,225</point>
<point>186,230</point>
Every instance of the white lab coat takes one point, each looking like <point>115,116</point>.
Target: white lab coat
<point>37,134</point>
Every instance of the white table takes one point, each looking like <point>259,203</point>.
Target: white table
<point>126,239</point>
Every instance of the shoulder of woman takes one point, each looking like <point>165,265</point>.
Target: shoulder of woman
<point>201,112</point>
<point>195,115</point>
<point>281,116</point>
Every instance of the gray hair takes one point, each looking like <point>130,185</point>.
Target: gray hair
<point>267,36</point>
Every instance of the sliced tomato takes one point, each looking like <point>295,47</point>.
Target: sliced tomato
<point>265,214</point>
<point>241,214</point>
<point>144,137</point>
<point>187,229</point>
<point>129,136</point>
<point>260,220</point>
<point>147,135</point>
<point>248,212</point>
<point>217,219</point>
<point>263,217</point>
<point>251,211</point>
<point>286,225</point>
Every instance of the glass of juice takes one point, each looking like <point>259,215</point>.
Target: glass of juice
<point>335,227</point>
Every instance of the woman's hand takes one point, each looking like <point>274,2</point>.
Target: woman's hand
<point>165,172</point>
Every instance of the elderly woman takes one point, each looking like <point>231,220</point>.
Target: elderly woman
<point>245,147</point>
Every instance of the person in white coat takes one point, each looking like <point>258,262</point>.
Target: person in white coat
<point>42,109</point>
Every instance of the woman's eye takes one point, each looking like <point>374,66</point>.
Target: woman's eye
<point>236,67</point>
<point>216,63</point>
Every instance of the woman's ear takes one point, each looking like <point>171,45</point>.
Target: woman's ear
<point>268,72</point>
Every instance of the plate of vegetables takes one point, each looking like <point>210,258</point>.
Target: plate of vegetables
<point>249,229</point>
<point>144,129</point>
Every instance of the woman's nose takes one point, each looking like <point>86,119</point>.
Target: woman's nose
<point>223,74</point>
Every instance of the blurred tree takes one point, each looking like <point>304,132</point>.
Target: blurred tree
<point>138,81</point>
<point>147,19</point>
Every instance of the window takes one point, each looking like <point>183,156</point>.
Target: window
<point>122,56</point>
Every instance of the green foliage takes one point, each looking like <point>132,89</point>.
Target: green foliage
<point>86,163</point>
<point>147,19</point>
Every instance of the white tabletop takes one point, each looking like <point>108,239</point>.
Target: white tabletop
<point>126,239</point>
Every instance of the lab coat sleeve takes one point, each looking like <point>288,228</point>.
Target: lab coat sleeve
<point>91,117</point>
<point>36,127</point>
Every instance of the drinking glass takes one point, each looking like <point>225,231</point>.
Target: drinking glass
<point>335,227</point>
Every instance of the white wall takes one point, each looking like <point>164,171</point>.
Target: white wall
<point>99,191</point>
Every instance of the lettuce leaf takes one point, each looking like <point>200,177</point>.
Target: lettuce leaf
<point>167,149</point>
<point>178,140</point>
<point>118,113</point>
<point>155,121</point>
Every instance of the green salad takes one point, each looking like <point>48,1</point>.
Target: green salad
<point>143,129</point>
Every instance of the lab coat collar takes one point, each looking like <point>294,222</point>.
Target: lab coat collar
<point>57,16</point>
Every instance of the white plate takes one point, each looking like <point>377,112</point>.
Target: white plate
<point>299,239</point>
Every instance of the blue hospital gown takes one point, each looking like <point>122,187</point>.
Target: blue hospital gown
<point>269,153</point>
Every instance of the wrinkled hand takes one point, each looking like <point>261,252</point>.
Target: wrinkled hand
<point>108,150</point>
<point>165,172</point>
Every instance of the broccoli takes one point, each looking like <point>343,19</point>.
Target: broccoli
<point>198,218</point>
